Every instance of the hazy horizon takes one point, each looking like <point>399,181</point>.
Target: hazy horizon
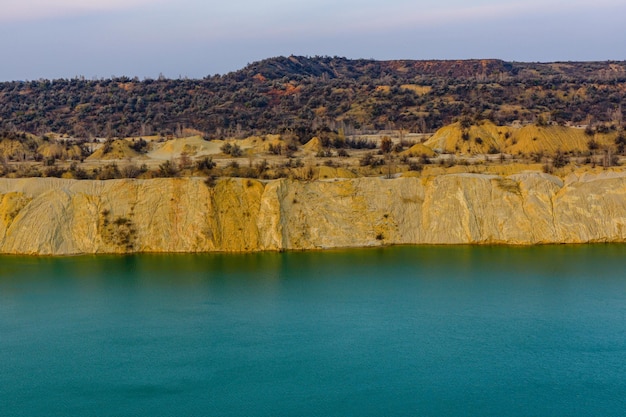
<point>194,38</point>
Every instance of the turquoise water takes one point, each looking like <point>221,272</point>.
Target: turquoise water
<point>402,331</point>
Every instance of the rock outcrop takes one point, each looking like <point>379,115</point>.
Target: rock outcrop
<point>62,217</point>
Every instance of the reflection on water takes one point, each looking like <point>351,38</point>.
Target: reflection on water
<point>448,331</point>
<point>558,261</point>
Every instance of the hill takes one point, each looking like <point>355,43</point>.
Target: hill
<point>304,95</point>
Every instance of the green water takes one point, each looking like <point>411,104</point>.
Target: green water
<point>404,331</point>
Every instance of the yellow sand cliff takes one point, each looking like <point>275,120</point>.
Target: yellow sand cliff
<point>62,217</point>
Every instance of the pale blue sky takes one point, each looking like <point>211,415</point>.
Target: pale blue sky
<point>195,38</point>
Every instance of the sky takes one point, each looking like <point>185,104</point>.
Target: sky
<point>196,38</point>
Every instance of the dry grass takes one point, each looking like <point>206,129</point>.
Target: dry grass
<point>417,89</point>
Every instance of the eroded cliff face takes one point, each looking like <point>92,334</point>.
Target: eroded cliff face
<point>61,217</point>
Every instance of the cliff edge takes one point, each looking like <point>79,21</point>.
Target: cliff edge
<point>49,216</point>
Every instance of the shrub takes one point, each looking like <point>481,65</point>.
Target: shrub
<point>184,162</point>
<point>360,144</point>
<point>54,171</point>
<point>324,153</point>
<point>226,148</point>
<point>620,141</point>
<point>236,151</point>
<point>210,181</point>
<point>414,166</point>
<point>140,145</point>
<point>133,171</point>
<point>560,159</point>
<point>77,172</point>
<point>205,164</point>
<point>366,159</point>
<point>108,172</point>
<point>275,149</point>
<point>262,167</point>
<point>386,144</point>
<point>592,144</point>
<point>424,159</point>
<point>168,169</point>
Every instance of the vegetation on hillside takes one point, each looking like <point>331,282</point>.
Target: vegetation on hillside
<point>302,96</point>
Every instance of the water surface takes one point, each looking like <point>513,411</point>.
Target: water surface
<point>402,331</point>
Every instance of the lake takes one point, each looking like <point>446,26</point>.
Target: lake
<point>398,331</point>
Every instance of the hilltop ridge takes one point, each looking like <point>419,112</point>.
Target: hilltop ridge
<point>338,67</point>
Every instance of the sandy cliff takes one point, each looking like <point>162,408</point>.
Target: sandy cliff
<point>60,217</point>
